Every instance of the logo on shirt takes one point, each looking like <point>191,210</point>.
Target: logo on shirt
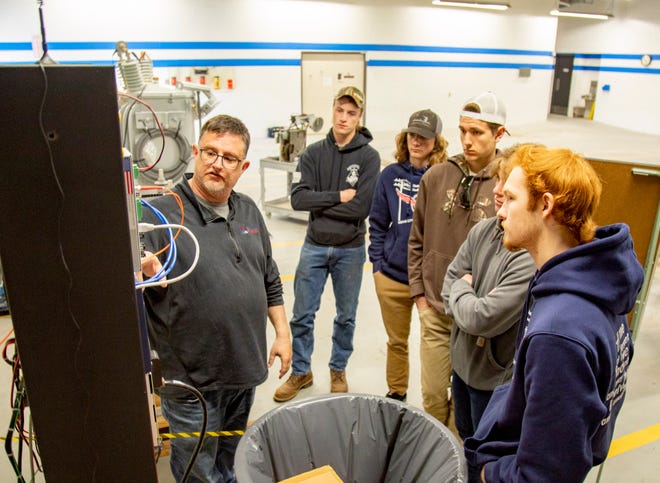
<point>245,230</point>
<point>352,177</point>
<point>618,390</point>
<point>477,210</point>
<point>407,194</point>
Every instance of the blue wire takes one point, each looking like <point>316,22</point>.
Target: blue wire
<point>167,266</point>
<point>171,253</point>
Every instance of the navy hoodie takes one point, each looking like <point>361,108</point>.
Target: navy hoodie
<point>554,420</point>
<point>324,171</point>
<point>390,219</point>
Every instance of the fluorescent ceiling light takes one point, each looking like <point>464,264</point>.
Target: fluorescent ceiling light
<point>595,16</point>
<point>486,6</point>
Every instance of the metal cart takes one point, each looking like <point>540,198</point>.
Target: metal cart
<point>280,205</point>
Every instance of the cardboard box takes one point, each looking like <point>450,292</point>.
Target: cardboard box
<point>324,474</point>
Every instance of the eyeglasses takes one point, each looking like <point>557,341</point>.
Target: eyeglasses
<point>209,157</point>
<point>464,198</point>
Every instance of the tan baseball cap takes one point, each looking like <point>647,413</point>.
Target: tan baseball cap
<point>352,92</point>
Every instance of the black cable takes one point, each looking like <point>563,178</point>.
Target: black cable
<point>178,127</point>
<point>20,428</point>
<point>49,137</point>
<point>202,431</point>
<point>17,404</point>
<point>10,434</point>
<point>44,45</point>
<point>45,58</point>
<point>30,448</point>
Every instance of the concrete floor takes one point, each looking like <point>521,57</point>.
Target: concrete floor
<point>639,422</point>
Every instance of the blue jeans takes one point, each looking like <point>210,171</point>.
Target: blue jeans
<point>228,410</point>
<point>469,406</point>
<point>345,267</point>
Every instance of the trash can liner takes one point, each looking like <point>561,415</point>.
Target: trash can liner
<point>365,438</point>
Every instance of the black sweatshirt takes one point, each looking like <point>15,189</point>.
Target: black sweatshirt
<point>210,328</point>
<point>324,170</point>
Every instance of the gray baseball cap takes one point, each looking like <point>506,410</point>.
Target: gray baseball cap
<point>426,123</point>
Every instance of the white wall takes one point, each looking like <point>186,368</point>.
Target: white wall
<point>632,101</point>
<point>267,95</point>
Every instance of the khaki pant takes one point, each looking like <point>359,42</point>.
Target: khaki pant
<point>435,359</point>
<point>396,309</point>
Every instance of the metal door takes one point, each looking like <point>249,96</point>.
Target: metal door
<point>561,88</point>
<point>323,74</point>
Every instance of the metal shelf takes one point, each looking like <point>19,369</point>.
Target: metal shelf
<point>282,205</point>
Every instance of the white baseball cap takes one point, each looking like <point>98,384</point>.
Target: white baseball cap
<point>490,108</point>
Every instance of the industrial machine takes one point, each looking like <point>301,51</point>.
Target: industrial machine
<point>157,122</point>
<point>293,139</point>
<point>86,293</point>
<point>76,285</point>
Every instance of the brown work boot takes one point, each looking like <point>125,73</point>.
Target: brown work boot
<point>292,386</point>
<point>338,381</point>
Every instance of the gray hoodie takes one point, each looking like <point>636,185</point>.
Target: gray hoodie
<point>487,313</point>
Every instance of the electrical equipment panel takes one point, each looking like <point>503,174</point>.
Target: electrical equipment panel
<point>68,258</point>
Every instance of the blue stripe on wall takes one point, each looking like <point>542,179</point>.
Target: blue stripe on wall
<point>15,46</point>
<point>296,63</point>
<point>627,70</point>
<point>465,65</point>
<point>613,56</point>
<point>275,46</point>
<point>371,63</point>
<point>186,62</point>
<point>227,62</point>
<point>300,46</point>
<point>20,46</point>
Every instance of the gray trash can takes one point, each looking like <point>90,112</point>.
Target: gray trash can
<point>366,439</point>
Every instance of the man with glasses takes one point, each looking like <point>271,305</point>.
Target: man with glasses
<point>209,329</point>
<point>452,198</point>
<point>335,182</point>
